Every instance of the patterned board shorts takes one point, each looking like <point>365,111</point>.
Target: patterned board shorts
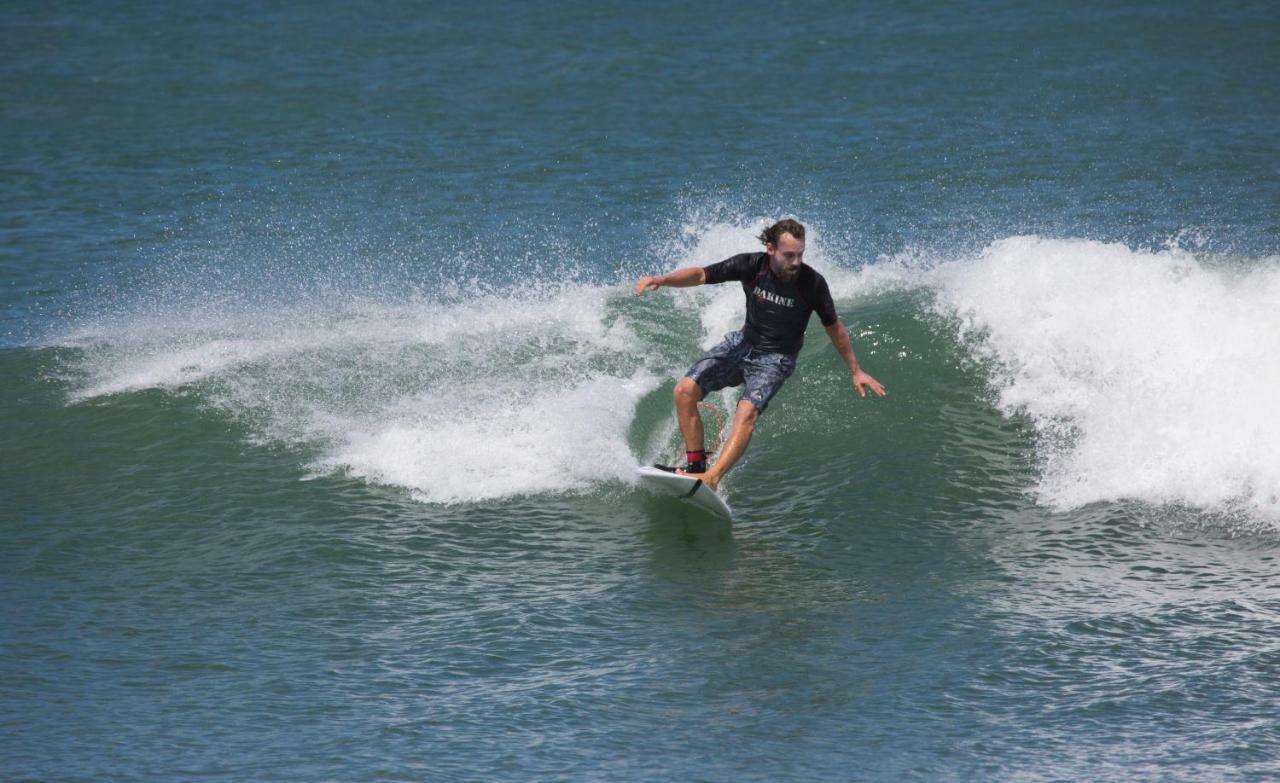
<point>734,361</point>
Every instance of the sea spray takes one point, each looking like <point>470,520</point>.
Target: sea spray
<point>502,393</point>
<point>1148,374</point>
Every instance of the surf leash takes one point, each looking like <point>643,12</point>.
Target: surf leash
<point>715,412</point>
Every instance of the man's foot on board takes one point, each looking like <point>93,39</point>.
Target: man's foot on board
<point>707,478</point>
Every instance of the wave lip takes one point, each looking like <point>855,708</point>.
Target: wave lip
<point>1149,375</point>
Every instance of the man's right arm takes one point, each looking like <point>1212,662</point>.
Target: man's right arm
<point>681,278</point>
<point>743,267</point>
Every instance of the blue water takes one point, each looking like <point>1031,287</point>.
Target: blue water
<point>322,389</point>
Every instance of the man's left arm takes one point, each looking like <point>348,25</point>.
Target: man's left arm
<point>844,346</point>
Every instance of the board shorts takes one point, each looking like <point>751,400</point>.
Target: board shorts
<point>735,361</point>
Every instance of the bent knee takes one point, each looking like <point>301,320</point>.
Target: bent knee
<point>688,389</point>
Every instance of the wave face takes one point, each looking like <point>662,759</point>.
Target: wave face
<point>1145,375</point>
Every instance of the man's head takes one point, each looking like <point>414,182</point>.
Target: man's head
<point>784,242</point>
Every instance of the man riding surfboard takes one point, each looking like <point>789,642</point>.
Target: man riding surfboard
<point>782,292</point>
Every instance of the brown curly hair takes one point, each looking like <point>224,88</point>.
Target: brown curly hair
<point>785,226</point>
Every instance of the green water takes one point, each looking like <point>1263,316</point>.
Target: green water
<point>322,389</point>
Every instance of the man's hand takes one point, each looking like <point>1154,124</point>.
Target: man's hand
<point>863,381</point>
<point>647,283</point>
<point>681,278</point>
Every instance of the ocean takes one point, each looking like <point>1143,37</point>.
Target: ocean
<point>323,386</point>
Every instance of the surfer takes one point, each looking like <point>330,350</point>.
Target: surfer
<point>782,292</point>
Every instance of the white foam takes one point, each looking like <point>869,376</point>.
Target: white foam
<point>473,442</point>
<point>507,393</point>
<point>1149,375</point>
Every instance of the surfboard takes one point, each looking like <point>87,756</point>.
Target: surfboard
<point>690,490</point>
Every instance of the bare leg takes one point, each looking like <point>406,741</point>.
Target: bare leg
<point>687,395</point>
<point>744,423</point>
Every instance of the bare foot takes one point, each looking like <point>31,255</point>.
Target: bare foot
<point>708,478</point>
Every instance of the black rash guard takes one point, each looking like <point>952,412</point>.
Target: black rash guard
<point>777,312</point>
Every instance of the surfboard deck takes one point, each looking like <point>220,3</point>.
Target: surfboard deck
<point>688,489</point>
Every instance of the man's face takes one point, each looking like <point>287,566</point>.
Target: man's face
<point>786,257</point>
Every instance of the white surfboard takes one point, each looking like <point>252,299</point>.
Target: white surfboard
<point>685,488</point>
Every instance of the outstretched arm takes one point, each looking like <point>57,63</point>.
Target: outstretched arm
<point>681,278</point>
<point>861,381</point>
